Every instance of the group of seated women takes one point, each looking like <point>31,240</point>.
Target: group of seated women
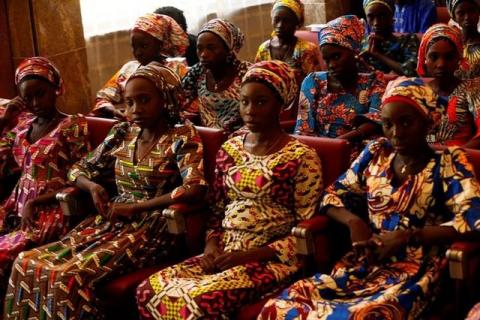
<point>418,199</point>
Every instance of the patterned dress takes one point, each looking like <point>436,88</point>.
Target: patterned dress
<point>44,165</point>
<point>304,60</point>
<point>471,69</point>
<point>257,200</point>
<point>113,91</point>
<point>460,121</point>
<point>56,281</point>
<point>402,49</point>
<point>216,109</point>
<point>446,190</point>
<point>325,114</point>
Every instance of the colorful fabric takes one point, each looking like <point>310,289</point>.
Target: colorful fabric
<point>390,4</point>
<point>59,278</point>
<point>42,67</point>
<point>436,32</point>
<point>304,60</point>
<point>44,165</point>
<point>474,313</point>
<point>227,31</point>
<point>470,69</point>
<point>215,109</point>
<point>327,114</point>
<point>256,201</point>
<point>111,95</point>
<point>451,4</point>
<point>346,31</point>
<point>296,6</point>
<point>174,40</point>
<point>400,48</point>
<point>277,75</point>
<point>414,16</point>
<point>445,191</point>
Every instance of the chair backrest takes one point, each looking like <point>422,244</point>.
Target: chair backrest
<point>98,129</point>
<point>334,154</point>
<point>312,37</point>
<point>212,140</point>
<point>442,15</point>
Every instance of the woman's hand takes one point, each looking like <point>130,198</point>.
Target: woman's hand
<point>232,259</point>
<point>126,210</point>
<point>390,243</point>
<point>211,252</point>
<point>359,230</point>
<point>28,216</point>
<point>100,197</point>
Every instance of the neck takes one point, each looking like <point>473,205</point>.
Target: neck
<point>423,151</point>
<point>151,133</point>
<point>47,118</point>
<point>268,135</point>
<point>220,71</point>
<point>348,81</point>
<point>288,40</point>
<point>446,84</point>
<point>469,35</point>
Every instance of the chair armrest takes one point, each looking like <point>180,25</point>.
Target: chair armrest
<point>176,214</point>
<point>69,200</point>
<point>305,231</point>
<point>458,257</point>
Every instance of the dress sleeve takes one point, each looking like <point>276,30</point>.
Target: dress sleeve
<point>461,189</point>
<point>94,163</point>
<point>308,188</point>
<point>409,44</point>
<point>76,136</point>
<point>376,91</point>
<point>262,52</point>
<point>190,87</point>
<point>307,114</point>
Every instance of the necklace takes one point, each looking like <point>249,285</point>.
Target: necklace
<point>285,54</point>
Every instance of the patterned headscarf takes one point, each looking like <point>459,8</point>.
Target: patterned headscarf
<point>174,39</point>
<point>415,93</point>
<point>294,5</point>
<point>390,4</point>
<point>345,31</point>
<point>435,32</point>
<point>227,31</point>
<point>42,67</point>
<point>169,85</point>
<point>277,75</point>
<point>451,4</point>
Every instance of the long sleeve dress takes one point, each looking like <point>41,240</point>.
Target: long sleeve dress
<point>444,192</point>
<point>57,280</point>
<point>257,200</point>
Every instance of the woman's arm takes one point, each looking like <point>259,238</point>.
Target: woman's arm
<point>364,131</point>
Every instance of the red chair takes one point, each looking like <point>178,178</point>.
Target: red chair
<point>442,15</point>
<point>312,37</point>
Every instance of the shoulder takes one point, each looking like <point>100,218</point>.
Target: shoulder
<point>130,66</point>
<point>196,70</point>
<point>74,121</point>
<point>306,45</point>
<point>187,130</point>
<point>301,150</point>
<point>243,66</point>
<point>454,159</point>
<point>264,45</point>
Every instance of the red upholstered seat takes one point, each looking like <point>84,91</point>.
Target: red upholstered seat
<point>98,129</point>
<point>442,15</point>
<point>312,37</point>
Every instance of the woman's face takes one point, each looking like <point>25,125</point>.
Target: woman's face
<point>379,18</point>
<point>340,61</point>
<point>39,96</point>
<point>144,102</point>
<point>466,15</point>
<point>442,59</point>
<point>211,50</point>
<point>259,106</point>
<point>284,22</point>
<point>404,126</point>
<point>145,48</point>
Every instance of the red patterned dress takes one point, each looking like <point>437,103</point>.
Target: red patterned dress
<point>257,200</point>
<point>44,164</point>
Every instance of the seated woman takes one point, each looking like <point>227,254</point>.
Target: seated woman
<point>419,200</point>
<point>154,37</point>
<point>44,145</point>
<point>383,50</point>
<point>440,55</point>
<point>266,182</point>
<point>466,14</point>
<point>156,164</point>
<point>303,56</point>
<point>212,87</point>
<point>330,102</point>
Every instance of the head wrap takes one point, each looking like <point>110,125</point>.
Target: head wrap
<point>435,32</point>
<point>345,31</point>
<point>174,39</point>
<point>294,5</point>
<point>415,93</point>
<point>451,4</point>
<point>41,67</point>
<point>227,31</point>
<point>390,4</point>
<point>168,84</point>
<point>277,75</point>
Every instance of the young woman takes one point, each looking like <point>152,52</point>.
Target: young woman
<point>156,164</point>
<point>266,183</point>
<point>44,144</point>
<point>154,37</point>
<point>303,56</point>
<point>330,102</point>
<point>466,14</point>
<point>212,87</point>
<point>440,55</point>
<point>418,200</point>
<point>383,50</point>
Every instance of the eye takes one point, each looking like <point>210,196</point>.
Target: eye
<point>386,124</point>
<point>406,123</point>
<point>129,102</point>
<point>144,99</point>
<point>244,102</point>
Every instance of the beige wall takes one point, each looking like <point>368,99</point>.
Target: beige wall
<point>53,28</point>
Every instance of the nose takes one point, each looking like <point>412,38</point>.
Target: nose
<point>135,109</point>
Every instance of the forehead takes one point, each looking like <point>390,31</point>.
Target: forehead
<point>441,45</point>
<point>208,37</point>
<point>140,85</point>
<point>36,83</point>
<point>139,35</point>
<point>397,110</point>
<point>377,9</point>
<point>283,12</point>
<point>329,48</point>
<point>255,88</point>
